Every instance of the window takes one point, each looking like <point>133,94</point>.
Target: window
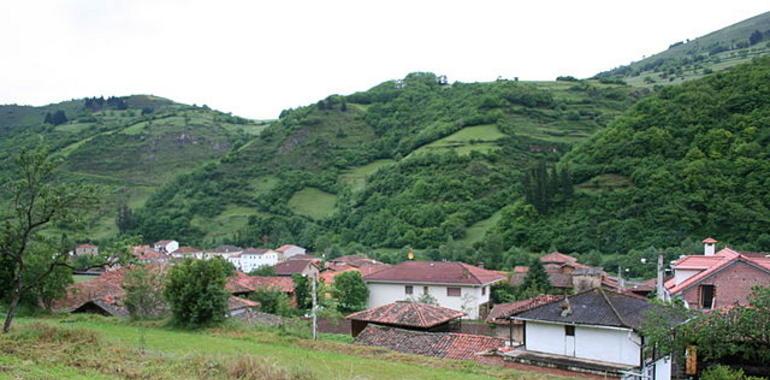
<point>424,290</point>
<point>408,289</point>
<point>707,296</point>
<point>453,292</point>
<point>483,290</point>
<point>569,330</point>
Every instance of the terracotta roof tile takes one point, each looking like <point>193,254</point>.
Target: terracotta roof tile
<point>408,314</point>
<point>435,272</point>
<point>290,267</point>
<point>243,283</point>
<point>709,265</point>
<point>441,345</point>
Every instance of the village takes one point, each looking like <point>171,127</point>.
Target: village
<point>589,324</point>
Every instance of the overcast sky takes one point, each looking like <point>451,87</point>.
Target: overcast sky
<point>255,58</point>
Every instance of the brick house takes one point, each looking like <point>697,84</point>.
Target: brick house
<point>717,279</point>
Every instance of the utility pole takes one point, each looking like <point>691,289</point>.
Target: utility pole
<point>659,286</point>
<point>315,301</point>
<point>621,282</point>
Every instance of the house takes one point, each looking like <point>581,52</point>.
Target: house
<point>223,251</point>
<point>253,258</point>
<point>288,250</point>
<point>291,267</point>
<point>446,345</point>
<point>102,295</point>
<point>188,252</point>
<point>717,279</point>
<point>406,315</point>
<point>166,246</point>
<point>86,249</point>
<point>343,264</point>
<point>453,285</point>
<point>568,275</point>
<point>241,284</point>
<point>595,331</point>
<point>513,330</point>
<point>149,255</point>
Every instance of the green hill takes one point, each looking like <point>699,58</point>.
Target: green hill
<point>688,162</point>
<point>408,162</point>
<point>685,60</point>
<point>128,146</point>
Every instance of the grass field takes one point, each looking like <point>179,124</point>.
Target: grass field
<point>477,138</point>
<point>233,219</point>
<point>92,347</point>
<point>476,232</point>
<point>313,203</point>
<point>356,177</point>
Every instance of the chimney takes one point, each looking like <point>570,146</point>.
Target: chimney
<point>566,308</point>
<point>709,246</point>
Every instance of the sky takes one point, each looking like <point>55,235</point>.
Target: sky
<point>255,58</point>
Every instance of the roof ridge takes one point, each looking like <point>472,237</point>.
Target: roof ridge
<point>614,310</point>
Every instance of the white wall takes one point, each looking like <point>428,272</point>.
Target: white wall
<point>468,302</point>
<point>250,262</point>
<point>610,345</point>
<point>680,275</point>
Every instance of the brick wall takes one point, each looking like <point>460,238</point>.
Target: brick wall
<point>731,284</point>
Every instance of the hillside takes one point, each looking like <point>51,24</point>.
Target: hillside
<point>692,59</point>
<point>409,162</point>
<point>687,162</point>
<point>128,146</point>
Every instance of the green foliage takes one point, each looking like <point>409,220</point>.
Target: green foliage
<point>195,290</point>
<point>264,270</point>
<point>351,292</point>
<point>125,221</point>
<point>722,372</point>
<point>273,301</point>
<point>144,293</point>
<point>302,291</point>
<point>536,280</point>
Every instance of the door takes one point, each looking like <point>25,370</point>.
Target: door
<point>569,340</point>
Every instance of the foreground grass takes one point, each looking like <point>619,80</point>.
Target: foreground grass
<point>88,347</point>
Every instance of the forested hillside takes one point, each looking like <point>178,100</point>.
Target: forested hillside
<point>127,146</point>
<point>691,59</point>
<point>415,162</point>
<point>687,162</point>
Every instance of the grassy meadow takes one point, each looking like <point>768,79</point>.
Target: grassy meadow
<point>92,347</point>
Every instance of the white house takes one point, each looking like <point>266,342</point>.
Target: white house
<point>288,250</point>
<point>223,251</point>
<point>253,258</point>
<point>453,285</point>
<point>166,246</point>
<point>188,252</point>
<point>594,329</point>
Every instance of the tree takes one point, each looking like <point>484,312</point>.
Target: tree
<point>37,205</point>
<point>302,291</point>
<point>125,221</point>
<point>756,37</point>
<point>351,292</point>
<point>56,118</point>
<point>273,301</point>
<point>195,290</point>
<point>264,270</point>
<point>536,279</point>
<point>144,292</point>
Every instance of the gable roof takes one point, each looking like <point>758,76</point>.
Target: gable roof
<point>238,303</point>
<point>558,258</point>
<point>441,345</point>
<point>709,265</point>
<point>597,307</point>
<point>505,310</point>
<point>408,314</point>
<point>255,251</point>
<point>86,245</point>
<point>243,283</point>
<point>290,267</point>
<point>286,247</point>
<point>187,250</point>
<point>226,249</point>
<point>435,272</point>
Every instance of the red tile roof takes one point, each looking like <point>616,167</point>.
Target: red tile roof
<point>187,250</point>
<point>557,257</point>
<point>86,246</point>
<point>236,303</point>
<point>435,272</point>
<point>710,240</point>
<point>501,312</point>
<point>407,314</point>
<point>243,283</point>
<point>709,265</point>
<point>290,267</point>
<point>255,251</point>
<point>286,247</point>
<point>441,345</point>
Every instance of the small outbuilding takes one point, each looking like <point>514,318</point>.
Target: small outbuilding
<point>407,315</point>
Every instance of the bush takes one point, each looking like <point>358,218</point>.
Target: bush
<point>196,292</point>
<point>722,372</point>
<point>144,293</point>
<point>273,301</point>
<point>351,292</point>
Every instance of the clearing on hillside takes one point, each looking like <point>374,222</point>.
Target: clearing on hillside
<point>313,203</point>
<point>479,138</point>
<point>356,177</point>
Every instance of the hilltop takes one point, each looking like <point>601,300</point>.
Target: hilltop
<point>691,59</point>
<point>127,146</point>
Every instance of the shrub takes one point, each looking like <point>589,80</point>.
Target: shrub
<point>196,292</point>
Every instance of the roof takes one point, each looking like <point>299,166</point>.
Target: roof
<point>710,240</point>
<point>408,314</point>
<point>555,277</point>
<point>243,283</point>
<point>557,257</point>
<point>163,242</point>
<point>708,265</point>
<point>435,272</point>
<point>441,345</point>
<point>505,310</point>
<point>226,249</point>
<point>236,303</point>
<point>287,247</point>
<point>290,267</point>
<point>596,307</point>
<point>86,245</point>
<point>255,251</point>
<point>187,250</point>
<point>303,256</point>
<point>354,260</point>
